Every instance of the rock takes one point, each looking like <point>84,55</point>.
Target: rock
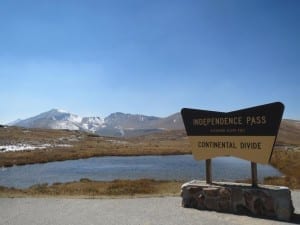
<point>262,201</point>
<point>210,191</point>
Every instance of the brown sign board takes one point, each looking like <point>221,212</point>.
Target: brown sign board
<point>249,133</point>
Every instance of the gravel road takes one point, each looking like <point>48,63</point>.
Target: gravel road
<point>136,211</point>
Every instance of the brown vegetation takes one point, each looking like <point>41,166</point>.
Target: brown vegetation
<point>287,162</point>
<point>92,189</point>
<point>286,156</point>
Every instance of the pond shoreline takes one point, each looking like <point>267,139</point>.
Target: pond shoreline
<point>42,161</point>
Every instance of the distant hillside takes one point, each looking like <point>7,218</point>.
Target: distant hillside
<point>130,121</point>
<point>173,122</point>
<point>289,132</point>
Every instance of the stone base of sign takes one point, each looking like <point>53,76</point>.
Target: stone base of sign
<point>262,201</point>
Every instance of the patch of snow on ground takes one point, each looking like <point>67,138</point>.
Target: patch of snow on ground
<point>27,147</point>
<point>26,131</point>
<point>118,142</point>
<point>19,147</point>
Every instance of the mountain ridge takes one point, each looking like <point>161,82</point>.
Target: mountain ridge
<point>120,124</point>
<point>116,124</point>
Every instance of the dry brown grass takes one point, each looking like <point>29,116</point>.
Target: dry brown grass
<point>287,162</point>
<point>93,189</point>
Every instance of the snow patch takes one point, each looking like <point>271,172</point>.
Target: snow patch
<point>117,142</point>
<point>27,147</point>
<point>19,147</point>
<point>64,125</point>
<point>75,118</point>
<point>92,124</point>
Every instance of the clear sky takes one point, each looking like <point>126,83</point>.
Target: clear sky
<point>94,58</point>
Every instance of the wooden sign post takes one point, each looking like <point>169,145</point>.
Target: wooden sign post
<point>249,134</point>
<point>254,174</point>
<point>208,171</point>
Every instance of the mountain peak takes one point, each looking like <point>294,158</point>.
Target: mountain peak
<point>58,110</point>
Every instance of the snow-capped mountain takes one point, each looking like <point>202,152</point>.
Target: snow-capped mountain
<point>116,124</point>
<point>60,119</point>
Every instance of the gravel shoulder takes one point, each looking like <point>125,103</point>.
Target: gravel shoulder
<point>134,211</point>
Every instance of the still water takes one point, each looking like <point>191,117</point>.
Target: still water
<point>179,167</point>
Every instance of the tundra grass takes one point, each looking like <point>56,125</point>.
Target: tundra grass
<point>96,189</point>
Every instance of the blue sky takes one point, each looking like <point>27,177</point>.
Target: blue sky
<point>147,57</point>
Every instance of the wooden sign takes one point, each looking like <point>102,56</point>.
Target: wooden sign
<point>249,133</point>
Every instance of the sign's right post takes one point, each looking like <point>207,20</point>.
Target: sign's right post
<point>254,174</point>
<point>208,171</point>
